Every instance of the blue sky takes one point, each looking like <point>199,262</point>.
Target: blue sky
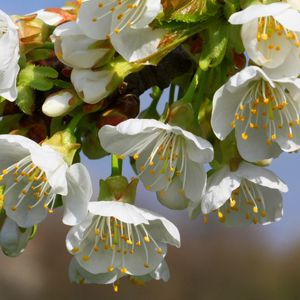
<point>287,166</point>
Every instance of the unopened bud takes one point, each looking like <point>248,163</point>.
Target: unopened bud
<point>59,104</point>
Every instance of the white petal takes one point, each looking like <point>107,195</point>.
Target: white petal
<point>13,149</point>
<point>220,185</point>
<point>91,85</point>
<point>90,11</point>
<point>137,44</point>
<point>77,274</point>
<point>53,164</point>
<point>79,194</point>
<point>151,8</point>
<point>24,216</point>
<point>261,176</point>
<point>198,149</point>
<point>255,148</point>
<point>255,11</point>
<point>122,211</point>
<point>12,240</point>
<point>290,19</point>
<point>195,181</point>
<point>172,197</point>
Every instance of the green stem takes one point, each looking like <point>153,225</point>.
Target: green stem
<point>172,94</point>
<point>200,95</point>
<point>74,122</point>
<point>116,165</point>
<point>155,95</point>
<point>188,97</point>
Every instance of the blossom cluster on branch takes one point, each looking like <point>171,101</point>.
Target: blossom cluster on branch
<point>70,84</point>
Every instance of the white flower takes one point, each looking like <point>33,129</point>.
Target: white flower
<point>34,175</point>
<point>13,240</point>
<point>92,86</point>
<point>118,238</point>
<point>59,104</point>
<point>271,36</point>
<point>249,195</point>
<point>164,154</point>
<point>77,50</point>
<point>79,275</point>
<point>264,113</point>
<point>9,57</point>
<point>125,23</point>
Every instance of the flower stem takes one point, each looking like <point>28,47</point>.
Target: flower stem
<point>188,97</point>
<point>74,122</point>
<point>116,165</point>
<point>172,94</point>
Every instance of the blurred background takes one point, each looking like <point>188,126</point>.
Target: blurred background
<point>215,262</point>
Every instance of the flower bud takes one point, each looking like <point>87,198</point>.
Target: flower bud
<point>33,32</point>
<point>60,103</point>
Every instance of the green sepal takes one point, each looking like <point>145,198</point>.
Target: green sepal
<point>65,143</point>
<point>117,188</point>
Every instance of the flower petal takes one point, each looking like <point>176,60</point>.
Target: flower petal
<point>53,164</point>
<point>79,194</point>
<point>172,197</point>
<point>137,44</point>
<point>94,20</point>
<point>220,185</point>
<point>12,240</point>
<point>261,176</point>
<point>122,211</point>
<point>79,275</point>
<point>91,85</point>
<point>255,11</point>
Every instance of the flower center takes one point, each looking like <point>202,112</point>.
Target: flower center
<point>247,199</point>
<point>32,182</point>
<point>128,13</point>
<point>272,32</point>
<point>122,239</point>
<point>271,108</point>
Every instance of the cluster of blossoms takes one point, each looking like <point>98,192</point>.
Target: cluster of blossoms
<point>70,81</point>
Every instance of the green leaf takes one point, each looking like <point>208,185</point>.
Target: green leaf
<point>9,122</point>
<point>39,54</point>
<point>215,47</point>
<point>190,10</point>
<point>38,77</point>
<point>25,99</point>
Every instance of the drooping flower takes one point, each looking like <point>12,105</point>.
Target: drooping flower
<point>34,175</point>
<point>251,194</point>
<point>13,240</point>
<point>120,238</point>
<point>125,23</point>
<point>271,36</point>
<point>264,113</point>
<point>9,57</point>
<point>163,154</point>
